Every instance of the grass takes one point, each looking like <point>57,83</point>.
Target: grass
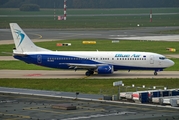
<point>92,86</point>
<point>20,65</point>
<point>108,22</point>
<point>100,22</point>
<point>16,11</point>
<point>104,45</point>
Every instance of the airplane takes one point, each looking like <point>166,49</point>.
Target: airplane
<point>101,62</point>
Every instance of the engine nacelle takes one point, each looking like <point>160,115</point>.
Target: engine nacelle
<point>105,69</point>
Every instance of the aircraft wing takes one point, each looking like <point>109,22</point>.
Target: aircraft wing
<point>82,66</point>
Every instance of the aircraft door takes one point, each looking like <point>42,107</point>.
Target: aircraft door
<point>151,59</point>
<point>39,59</point>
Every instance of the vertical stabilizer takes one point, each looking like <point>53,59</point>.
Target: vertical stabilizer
<point>22,42</point>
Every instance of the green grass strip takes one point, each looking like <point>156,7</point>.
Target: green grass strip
<point>104,45</point>
<point>93,86</point>
<point>99,21</point>
<point>16,11</point>
<point>20,65</point>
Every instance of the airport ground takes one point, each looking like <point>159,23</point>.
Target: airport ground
<point>31,107</point>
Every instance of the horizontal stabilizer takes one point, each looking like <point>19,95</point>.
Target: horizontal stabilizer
<point>8,53</point>
<point>16,54</point>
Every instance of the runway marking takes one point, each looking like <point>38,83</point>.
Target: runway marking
<point>90,108</point>
<point>39,36</point>
<point>33,75</point>
<point>79,34</point>
<point>15,115</point>
<point>50,111</point>
<point>99,115</point>
<point>35,98</point>
<point>36,107</point>
<point>136,107</point>
<point>69,36</point>
<point>14,119</point>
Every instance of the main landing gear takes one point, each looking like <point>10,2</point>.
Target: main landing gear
<point>89,72</point>
<point>155,73</point>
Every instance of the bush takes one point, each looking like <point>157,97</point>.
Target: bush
<point>29,7</point>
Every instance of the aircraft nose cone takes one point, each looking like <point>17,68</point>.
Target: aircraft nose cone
<point>171,63</point>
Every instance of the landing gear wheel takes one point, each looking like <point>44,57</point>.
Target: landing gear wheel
<point>155,73</point>
<point>89,72</point>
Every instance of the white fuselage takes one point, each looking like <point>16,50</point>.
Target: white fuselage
<point>120,60</point>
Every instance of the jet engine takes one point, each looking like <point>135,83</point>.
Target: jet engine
<point>105,69</point>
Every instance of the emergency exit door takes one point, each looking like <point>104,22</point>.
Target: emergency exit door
<point>151,59</point>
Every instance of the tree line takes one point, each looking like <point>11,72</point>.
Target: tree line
<point>91,3</point>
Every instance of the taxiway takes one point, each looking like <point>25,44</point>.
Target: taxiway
<point>45,74</point>
<point>137,33</point>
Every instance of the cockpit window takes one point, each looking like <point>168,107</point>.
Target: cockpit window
<point>162,58</point>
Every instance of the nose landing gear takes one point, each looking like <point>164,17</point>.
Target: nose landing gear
<point>155,73</point>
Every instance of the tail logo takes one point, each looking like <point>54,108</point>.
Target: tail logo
<point>20,34</point>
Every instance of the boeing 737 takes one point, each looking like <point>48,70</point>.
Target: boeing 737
<point>101,62</point>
